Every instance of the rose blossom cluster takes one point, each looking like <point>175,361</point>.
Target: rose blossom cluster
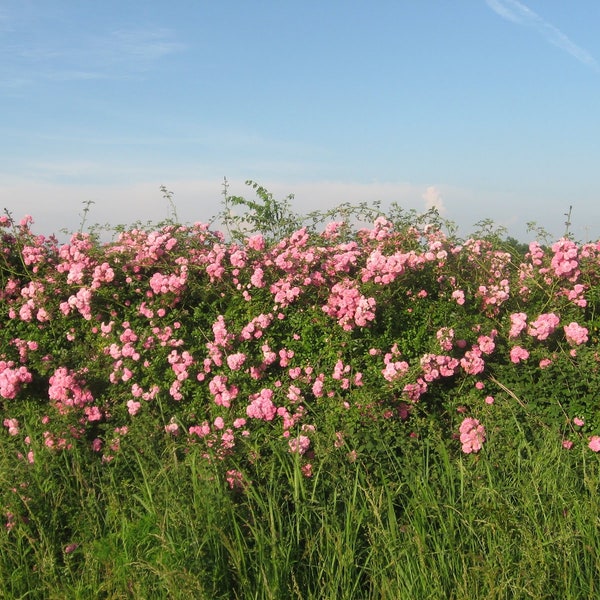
<point>434,366</point>
<point>349,306</point>
<point>565,260</point>
<point>472,435</point>
<point>543,326</point>
<point>575,334</point>
<point>11,379</point>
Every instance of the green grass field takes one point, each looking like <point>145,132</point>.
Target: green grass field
<point>519,524</point>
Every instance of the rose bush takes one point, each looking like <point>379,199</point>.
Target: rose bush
<point>222,346</point>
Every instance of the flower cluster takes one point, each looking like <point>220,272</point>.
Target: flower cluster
<point>11,378</point>
<point>472,435</point>
<point>576,334</point>
<point>349,306</point>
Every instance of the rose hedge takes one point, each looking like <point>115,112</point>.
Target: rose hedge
<point>313,341</point>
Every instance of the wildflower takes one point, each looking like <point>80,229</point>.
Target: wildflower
<point>172,428</point>
<point>576,295</point>
<point>228,439</point>
<point>11,379</point>
<point>10,520</point>
<point>256,242</point>
<point>257,278</point>
<point>235,361</point>
<point>200,430</point>
<point>472,363</point>
<point>394,369</point>
<point>517,354</point>
<point>414,391</point>
<point>594,443</point>
<point>294,394</point>
<point>458,296</point>
<point>349,306</point>
<point>307,470</point>
<point>235,479</point>
<point>575,334</point>
<point>472,435</point>
<point>300,444</point>
<point>564,262</point>
<point>543,326</point>
<point>67,391</point>
<point>486,343</point>
<point>12,425</point>
<point>445,335</point>
<point>317,387</point>
<point>93,413</point>
<point>262,406</point>
<point>133,407</point>
<point>223,395</point>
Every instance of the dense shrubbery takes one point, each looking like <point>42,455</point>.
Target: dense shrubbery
<point>326,343</point>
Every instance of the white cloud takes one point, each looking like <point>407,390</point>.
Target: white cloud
<point>59,206</point>
<point>519,13</point>
<point>433,199</point>
<point>57,169</point>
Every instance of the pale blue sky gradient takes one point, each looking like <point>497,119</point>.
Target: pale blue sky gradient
<point>485,108</point>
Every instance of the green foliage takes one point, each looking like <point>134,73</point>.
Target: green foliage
<point>272,218</point>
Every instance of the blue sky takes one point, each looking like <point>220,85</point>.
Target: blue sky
<point>484,108</point>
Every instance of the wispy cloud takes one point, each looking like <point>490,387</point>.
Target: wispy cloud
<point>517,12</point>
<point>74,75</point>
<point>10,82</point>
<point>122,52</point>
<point>114,54</point>
<point>499,8</point>
<point>143,44</point>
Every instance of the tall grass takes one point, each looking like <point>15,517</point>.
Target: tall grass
<point>505,524</point>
